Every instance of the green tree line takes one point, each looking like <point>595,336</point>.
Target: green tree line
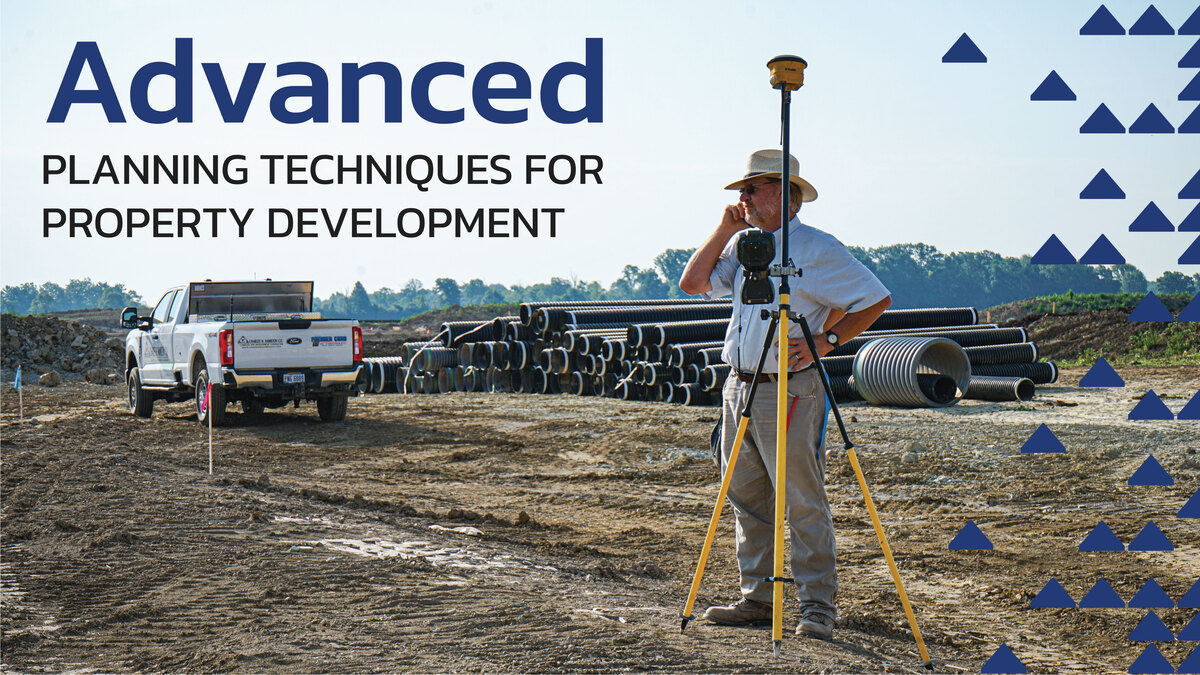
<point>917,274</point>
<point>31,298</point>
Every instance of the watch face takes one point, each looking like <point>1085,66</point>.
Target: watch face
<point>832,338</point>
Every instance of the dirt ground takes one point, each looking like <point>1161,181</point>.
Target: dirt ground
<point>511,533</point>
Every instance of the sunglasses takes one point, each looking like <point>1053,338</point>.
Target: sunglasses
<point>749,189</point>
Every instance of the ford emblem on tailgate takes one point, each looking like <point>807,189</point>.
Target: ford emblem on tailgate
<point>294,341</point>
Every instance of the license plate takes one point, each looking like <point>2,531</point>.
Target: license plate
<point>293,378</point>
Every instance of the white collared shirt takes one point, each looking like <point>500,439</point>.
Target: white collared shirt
<point>831,278</point>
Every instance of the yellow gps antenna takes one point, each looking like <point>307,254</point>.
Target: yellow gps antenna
<point>787,72</point>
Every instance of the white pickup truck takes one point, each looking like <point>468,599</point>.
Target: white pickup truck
<point>257,342</point>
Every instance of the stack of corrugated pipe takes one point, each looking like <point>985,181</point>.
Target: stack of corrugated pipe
<point>670,350</point>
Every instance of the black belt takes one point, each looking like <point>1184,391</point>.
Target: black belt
<point>765,377</point>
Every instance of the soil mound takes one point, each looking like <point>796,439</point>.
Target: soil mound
<point>41,344</point>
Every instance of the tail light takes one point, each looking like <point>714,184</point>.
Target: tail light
<point>358,349</point>
<point>225,339</point>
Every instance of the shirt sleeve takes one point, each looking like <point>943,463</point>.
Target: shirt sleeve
<point>842,282</point>
<point>724,272</point>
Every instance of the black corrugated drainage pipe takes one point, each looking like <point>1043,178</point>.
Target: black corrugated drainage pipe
<point>968,338</point>
<point>1042,372</point>
<point>886,371</point>
<point>915,318</point>
<point>531,313</point>
<point>1000,388</point>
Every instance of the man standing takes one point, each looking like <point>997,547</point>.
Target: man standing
<point>840,298</point>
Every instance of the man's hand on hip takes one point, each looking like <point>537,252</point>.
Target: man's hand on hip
<point>798,354</point>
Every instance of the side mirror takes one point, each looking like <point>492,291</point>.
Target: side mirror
<point>145,322</point>
<point>129,317</point>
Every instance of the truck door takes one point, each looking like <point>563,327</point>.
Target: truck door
<point>155,356</point>
<point>179,340</point>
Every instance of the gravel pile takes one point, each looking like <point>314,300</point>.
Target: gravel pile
<point>43,344</point>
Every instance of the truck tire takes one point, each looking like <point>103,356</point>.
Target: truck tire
<point>141,402</point>
<point>252,407</point>
<point>215,407</point>
<point>332,408</point>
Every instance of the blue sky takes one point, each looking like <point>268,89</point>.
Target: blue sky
<point>901,147</point>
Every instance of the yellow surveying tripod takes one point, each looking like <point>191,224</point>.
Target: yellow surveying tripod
<point>787,75</point>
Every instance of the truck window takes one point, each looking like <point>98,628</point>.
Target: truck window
<point>175,306</point>
<point>163,306</point>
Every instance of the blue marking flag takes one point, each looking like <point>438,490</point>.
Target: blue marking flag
<point>17,379</point>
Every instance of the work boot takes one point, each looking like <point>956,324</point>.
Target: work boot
<point>815,624</point>
<point>744,612</point>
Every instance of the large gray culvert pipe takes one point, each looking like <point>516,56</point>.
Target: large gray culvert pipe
<point>888,371</point>
<point>1000,388</point>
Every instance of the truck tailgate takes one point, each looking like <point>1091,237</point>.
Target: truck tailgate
<point>292,344</point>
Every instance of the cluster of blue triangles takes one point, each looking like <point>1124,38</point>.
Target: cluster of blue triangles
<point>1151,407</point>
<point>1153,309</point>
<point>1101,252</point>
<point>1151,22</point>
<point>1104,596</point>
<point>1151,121</point>
<point>1102,538</point>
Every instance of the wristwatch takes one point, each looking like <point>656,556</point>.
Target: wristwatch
<point>831,337</point>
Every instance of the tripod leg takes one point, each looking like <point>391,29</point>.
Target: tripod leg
<point>743,424</point>
<point>862,484</point>
<point>716,517</point>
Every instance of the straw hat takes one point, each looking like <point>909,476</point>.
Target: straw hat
<point>766,164</point>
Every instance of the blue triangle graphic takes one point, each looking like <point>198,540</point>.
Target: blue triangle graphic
<point>1192,58</point>
<point>1102,253</point>
<point>1191,223</point>
<point>1103,121</point>
<point>1102,596</point>
<point>964,51</point>
<point>1101,375</point>
<point>1101,538</point>
<point>1102,187</point>
<point>1102,23</point>
<point>1150,539</point>
<point>1151,661</point>
<point>970,538</point>
<point>1151,121</point>
<point>1191,510</point>
<point>1192,663</point>
<point>1052,595</point>
<point>1192,25</point>
<point>1042,440</point>
<point>1003,660</point>
<point>1192,124</point>
<point>1151,23</point>
<point>1052,253</point>
<point>1053,88</point>
<point>1191,411</point>
<point>1191,599</point>
<point>1151,473</point>
<point>1192,91</point>
<point>1192,311</point>
<point>1151,219</point>
<point>1191,632</point>
<point>1151,629</point>
<point>1151,596</point>
<point>1192,255</point>
<point>1192,189</point>
<point>1151,407</point>
<point>1151,309</point>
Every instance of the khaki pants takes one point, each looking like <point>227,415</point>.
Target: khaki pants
<point>752,490</point>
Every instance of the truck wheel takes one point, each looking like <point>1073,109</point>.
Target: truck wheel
<point>141,402</point>
<point>332,408</point>
<point>252,407</point>
<point>205,407</point>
